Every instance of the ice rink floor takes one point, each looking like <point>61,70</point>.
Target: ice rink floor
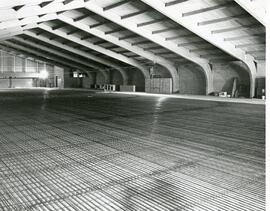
<point>78,150</point>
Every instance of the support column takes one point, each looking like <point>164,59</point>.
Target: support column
<point>175,77</point>
<point>252,74</point>
<point>209,78</point>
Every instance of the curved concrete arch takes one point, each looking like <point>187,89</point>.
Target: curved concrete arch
<point>251,70</point>
<point>106,76</point>
<point>102,50</point>
<point>175,76</point>
<point>251,67</point>
<point>207,73</point>
<point>214,39</point>
<point>104,73</point>
<point>146,73</point>
<point>207,70</point>
<point>124,76</point>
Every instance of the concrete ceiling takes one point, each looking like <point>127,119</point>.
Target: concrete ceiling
<point>121,34</point>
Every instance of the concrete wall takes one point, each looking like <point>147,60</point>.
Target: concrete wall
<point>69,81</point>
<point>116,77</point>
<point>88,81</point>
<point>136,78</point>
<point>261,69</point>
<point>85,82</point>
<point>224,75</point>
<point>100,79</point>
<point>192,80</point>
<point>91,79</point>
<point>161,71</point>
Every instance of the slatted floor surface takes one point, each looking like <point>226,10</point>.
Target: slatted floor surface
<point>75,150</point>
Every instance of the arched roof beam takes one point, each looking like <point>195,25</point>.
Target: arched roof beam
<point>61,54</point>
<point>183,52</point>
<point>144,33</point>
<point>122,43</point>
<point>99,49</point>
<point>32,10</point>
<point>192,25</point>
<point>44,55</point>
<point>19,53</point>
<point>55,52</point>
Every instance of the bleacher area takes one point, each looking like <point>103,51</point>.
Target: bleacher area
<point>82,150</point>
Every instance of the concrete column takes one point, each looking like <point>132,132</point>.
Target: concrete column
<point>252,85</point>
<point>209,78</point>
<point>145,72</point>
<point>175,77</point>
<point>252,74</point>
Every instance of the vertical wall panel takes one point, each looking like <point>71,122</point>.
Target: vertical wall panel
<point>158,85</point>
<point>22,82</point>
<point>31,66</point>
<point>8,62</point>
<point>19,64</point>
<point>41,66</point>
<point>59,76</point>
<point>50,81</point>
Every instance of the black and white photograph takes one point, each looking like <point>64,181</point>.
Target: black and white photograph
<point>134,105</point>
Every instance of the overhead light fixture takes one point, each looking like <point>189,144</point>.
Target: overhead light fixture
<point>43,74</point>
